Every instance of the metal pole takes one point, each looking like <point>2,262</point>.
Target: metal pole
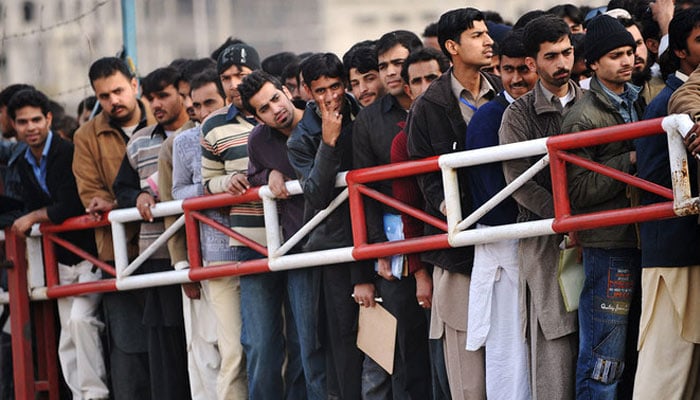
<point>129,31</point>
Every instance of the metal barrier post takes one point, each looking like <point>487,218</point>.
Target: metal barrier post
<point>23,364</point>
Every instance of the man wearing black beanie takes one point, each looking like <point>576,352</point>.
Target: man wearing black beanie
<point>610,256</point>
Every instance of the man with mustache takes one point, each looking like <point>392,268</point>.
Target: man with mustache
<point>100,145</point>
<point>641,75</point>
<point>551,330</point>
<point>610,255</point>
<point>494,284</point>
<point>373,132</point>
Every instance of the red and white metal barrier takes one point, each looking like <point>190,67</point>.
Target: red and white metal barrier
<point>553,151</point>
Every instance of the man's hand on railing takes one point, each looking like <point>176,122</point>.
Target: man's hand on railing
<point>23,225</point>
<point>192,290</point>
<point>144,203</point>
<point>238,184</point>
<point>98,207</point>
<point>276,182</point>
<point>692,139</point>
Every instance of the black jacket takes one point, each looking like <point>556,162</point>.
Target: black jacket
<point>435,127</point>
<point>62,201</point>
<point>316,166</point>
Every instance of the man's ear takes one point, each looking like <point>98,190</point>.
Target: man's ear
<point>49,118</point>
<point>531,65</point>
<point>407,90</point>
<point>451,46</point>
<point>682,54</point>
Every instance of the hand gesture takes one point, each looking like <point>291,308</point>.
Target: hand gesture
<point>332,120</point>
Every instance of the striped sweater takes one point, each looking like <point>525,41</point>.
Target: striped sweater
<point>142,154</point>
<point>225,152</point>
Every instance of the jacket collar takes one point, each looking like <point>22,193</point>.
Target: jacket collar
<point>543,103</point>
<point>104,124</point>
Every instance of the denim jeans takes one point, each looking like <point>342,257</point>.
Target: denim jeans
<point>610,278</point>
<point>262,299</point>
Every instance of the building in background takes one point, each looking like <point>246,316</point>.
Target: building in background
<point>51,43</point>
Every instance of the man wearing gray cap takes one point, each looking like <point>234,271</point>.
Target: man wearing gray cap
<point>224,170</point>
<point>610,256</point>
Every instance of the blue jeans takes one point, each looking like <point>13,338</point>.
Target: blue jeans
<point>262,336</point>
<point>610,278</point>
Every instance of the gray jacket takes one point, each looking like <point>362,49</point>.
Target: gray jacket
<point>534,116</point>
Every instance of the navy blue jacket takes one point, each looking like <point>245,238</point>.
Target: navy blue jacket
<point>487,180</point>
<point>670,242</point>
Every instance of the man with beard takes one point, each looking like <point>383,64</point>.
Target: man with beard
<point>494,321</point>
<point>551,330</point>
<point>100,145</point>
<point>641,75</point>
<point>610,255</point>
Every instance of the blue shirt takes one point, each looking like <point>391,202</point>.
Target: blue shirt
<point>624,102</point>
<point>40,169</point>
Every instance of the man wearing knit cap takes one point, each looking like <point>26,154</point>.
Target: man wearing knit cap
<point>224,170</point>
<point>610,256</point>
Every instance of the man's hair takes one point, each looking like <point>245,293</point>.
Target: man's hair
<point>424,54</point>
<point>569,11</point>
<point>454,22</point>
<point>276,63</point>
<point>106,67</point>
<point>31,98</point>
<point>7,93</point>
<point>493,16</point>
<point>679,30</point>
<point>206,77</point>
<point>547,28</point>
<point>66,124</point>
<point>87,103</point>
<point>322,64</point>
<point>291,71</point>
<point>431,30</point>
<point>681,26</point>
<point>409,40</point>
<point>527,17</point>
<point>188,68</point>
<point>159,79</point>
<point>252,84</point>
<point>362,56</point>
<point>512,45</point>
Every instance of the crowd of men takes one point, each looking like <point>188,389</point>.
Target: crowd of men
<point>476,322</point>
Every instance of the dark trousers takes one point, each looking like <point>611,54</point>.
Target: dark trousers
<point>343,358</point>
<point>411,378</point>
